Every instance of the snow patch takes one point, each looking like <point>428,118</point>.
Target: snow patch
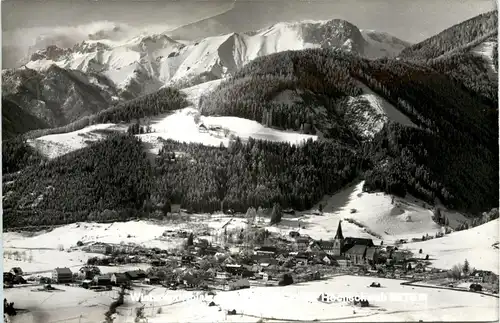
<point>56,145</point>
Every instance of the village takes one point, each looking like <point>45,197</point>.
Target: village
<point>251,256</point>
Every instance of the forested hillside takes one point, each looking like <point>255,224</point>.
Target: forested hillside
<point>16,121</point>
<point>161,101</point>
<point>320,77</point>
<point>115,174</point>
<point>469,32</point>
<point>447,151</point>
<point>256,173</point>
<point>472,73</point>
<point>112,174</point>
<point>457,120</point>
<point>57,96</point>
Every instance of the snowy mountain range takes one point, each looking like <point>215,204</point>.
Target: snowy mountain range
<point>145,63</point>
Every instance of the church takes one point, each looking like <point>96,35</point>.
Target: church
<point>356,251</point>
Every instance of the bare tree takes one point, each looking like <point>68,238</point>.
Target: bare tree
<point>456,272</point>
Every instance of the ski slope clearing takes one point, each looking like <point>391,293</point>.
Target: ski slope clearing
<point>378,213</point>
<point>56,145</point>
<point>186,126</point>
<point>486,51</point>
<point>475,245</point>
<point>384,108</point>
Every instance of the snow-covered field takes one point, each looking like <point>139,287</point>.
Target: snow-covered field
<point>475,245</point>
<point>374,215</point>
<point>295,302</point>
<point>375,211</point>
<point>56,145</point>
<point>181,126</point>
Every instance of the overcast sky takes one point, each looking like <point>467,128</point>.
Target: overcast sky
<point>410,20</point>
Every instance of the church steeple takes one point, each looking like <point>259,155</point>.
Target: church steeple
<point>339,234</point>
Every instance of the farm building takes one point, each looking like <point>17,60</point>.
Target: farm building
<point>136,274</point>
<point>102,280</point>
<point>265,250</point>
<point>118,279</point>
<point>100,248</point>
<point>62,275</point>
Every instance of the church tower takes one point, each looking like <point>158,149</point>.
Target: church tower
<point>338,241</point>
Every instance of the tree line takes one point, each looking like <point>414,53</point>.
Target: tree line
<point>115,175</point>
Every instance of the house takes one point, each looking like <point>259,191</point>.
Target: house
<point>102,280</point>
<point>371,255</point>
<point>187,259</point>
<point>234,269</point>
<point>349,242</point>
<point>175,208</point>
<point>119,279</point>
<point>300,256</point>
<point>100,248</point>
<point>265,250</point>
<point>301,243</point>
<point>202,128</point>
<point>88,272</point>
<point>264,262</point>
<point>222,275</point>
<point>483,276</point>
<point>136,274</point>
<point>322,246</point>
<point>158,262</point>
<point>356,254</point>
<point>152,280</point>
<point>340,261</point>
<point>17,271</point>
<point>87,283</point>
<point>62,275</point>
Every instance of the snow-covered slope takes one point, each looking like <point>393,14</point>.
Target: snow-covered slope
<point>369,113</point>
<point>475,245</point>
<point>186,126</point>
<point>390,218</point>
<point>183,125</point>
<point>160,59</point>
<point>53,146</point>
<point>485,50</point>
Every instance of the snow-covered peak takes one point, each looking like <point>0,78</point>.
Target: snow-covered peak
<point>166,61</point>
